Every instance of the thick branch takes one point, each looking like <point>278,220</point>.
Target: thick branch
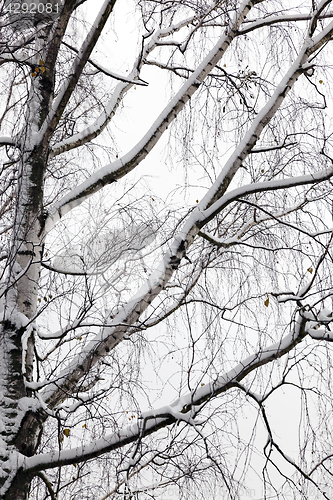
<point>97,127</point>
<point>114,171</point>
<point>119,168</point>
<point>7,141</point>
<point>77,68</point>
<point>178,410</point>
<point>259,187</point>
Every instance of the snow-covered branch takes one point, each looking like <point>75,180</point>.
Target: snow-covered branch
<point>97,127</point>
<point>87,308</point>
<point>316,15</point>
<point>237,238</point>
<point>7,141</point>
<point>210,205</point>
<point>114,171</point>
<point>285,18</point>
<point>107,71</point>
<point>259,187</point>
<point>68,86</point>
<point>184,408</point>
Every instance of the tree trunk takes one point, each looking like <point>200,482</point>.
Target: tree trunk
<point>20,303</point>
<point>17,350</point>
<point>19,489</point>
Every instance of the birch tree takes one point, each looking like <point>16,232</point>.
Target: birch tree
<point>150,338</point>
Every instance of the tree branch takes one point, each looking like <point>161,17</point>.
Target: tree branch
<point>120,91</point>
<point>116,170</point>
<point>7,141</point>
<point>65,93</point>
<point>106,71</point>
<point>269,21</point>
<point>154,420</point>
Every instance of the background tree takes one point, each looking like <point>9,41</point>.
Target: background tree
<point>149,335</point>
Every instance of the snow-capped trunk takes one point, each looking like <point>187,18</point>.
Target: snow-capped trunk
<point>20,306</point>
<point>20,301</point>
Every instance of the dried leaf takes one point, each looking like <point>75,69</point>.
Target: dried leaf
<point>310,269</point>
<point>66,432</point>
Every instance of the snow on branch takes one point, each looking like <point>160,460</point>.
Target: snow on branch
<point>184,408</point>
<point>110,173</point>
<point>116,170</point>
<point>318,324</point>
<point>7,141</point>
<point>270,20</point>
<point>235,194</point>
<point>321,334</point>
<point>106,71</point>
<point>236,239</point>
<point>319,40</point>
<point>94,129</point>
<point>212,202</point>
<point>315,16</point>
<point>68,86</point>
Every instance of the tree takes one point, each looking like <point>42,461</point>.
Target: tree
<point>140,330</point>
